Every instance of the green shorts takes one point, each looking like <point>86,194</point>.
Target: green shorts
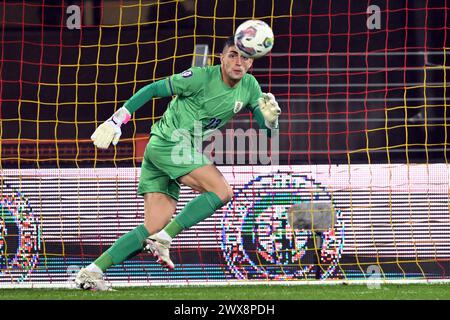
<point>164,162</point>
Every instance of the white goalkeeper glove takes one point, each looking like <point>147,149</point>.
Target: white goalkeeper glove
<point>270,110</point>
<point>109,131</point>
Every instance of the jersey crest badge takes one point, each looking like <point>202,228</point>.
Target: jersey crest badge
<point>186,74</point>
<point>238,106</point>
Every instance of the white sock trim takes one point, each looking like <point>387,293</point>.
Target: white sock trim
<point>164,236</point>
<point>94,268</point>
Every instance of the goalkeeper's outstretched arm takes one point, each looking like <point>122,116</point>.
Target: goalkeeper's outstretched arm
<point>109,131</point>
<point>267,113</point>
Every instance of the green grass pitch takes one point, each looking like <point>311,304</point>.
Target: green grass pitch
<point>250,292</point>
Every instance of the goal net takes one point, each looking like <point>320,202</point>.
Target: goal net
<point>354,187</point>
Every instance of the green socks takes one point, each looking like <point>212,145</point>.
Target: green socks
<point>196,210</point>
<point>124,248</point>
<point>130,243</point>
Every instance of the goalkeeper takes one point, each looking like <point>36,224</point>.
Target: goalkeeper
<point>210,96</point>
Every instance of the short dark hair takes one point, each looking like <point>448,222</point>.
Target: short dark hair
<point>228,43</point>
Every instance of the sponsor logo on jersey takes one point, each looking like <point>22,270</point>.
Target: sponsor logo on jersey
<point>238,106</point>
<point>186,74</point>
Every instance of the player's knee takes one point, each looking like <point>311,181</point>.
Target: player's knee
<point>226,194</point>
<point>230,193</point>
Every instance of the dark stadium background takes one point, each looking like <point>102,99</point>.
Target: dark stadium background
<point>315,113</point>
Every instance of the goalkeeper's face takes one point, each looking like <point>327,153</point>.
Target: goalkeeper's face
<point>234,65</point>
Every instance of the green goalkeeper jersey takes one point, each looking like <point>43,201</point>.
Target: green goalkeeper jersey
<point>204,102</point>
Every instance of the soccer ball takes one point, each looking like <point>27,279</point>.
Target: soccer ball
<point>253,38</point>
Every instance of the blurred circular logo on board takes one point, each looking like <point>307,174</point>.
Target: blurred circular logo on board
<point>283,226</point>
<point>20,236</point>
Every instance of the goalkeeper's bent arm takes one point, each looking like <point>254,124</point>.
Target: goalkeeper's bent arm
<point>110,131</point>
<point>158,89</point>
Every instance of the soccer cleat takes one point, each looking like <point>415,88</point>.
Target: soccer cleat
<point>86,280</point>
<point>159,248</point>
